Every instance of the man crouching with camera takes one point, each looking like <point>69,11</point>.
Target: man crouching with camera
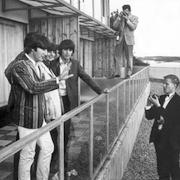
<point>165,133</point>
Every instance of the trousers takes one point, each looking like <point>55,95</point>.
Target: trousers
<point>123,56</point>
<point>168,165</point>
<point>28,152</point>
<point>55,134</point>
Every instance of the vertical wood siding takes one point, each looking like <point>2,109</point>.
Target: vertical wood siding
<point>103,53</point>
<point>97,53</point>
<point>11,43</point>
<point>58,29</point>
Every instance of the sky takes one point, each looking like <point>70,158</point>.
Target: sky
<point>158,30</point>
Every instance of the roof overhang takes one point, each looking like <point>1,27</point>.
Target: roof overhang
<point>62,8</point>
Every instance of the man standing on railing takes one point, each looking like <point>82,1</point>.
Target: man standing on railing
<point>165,132</point>
<point>29,106</point>
<point>69,88</point>
<point>125,24</point>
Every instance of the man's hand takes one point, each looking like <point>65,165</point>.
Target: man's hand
<point>65,73</point>
<point>106,91</point>
<point>154,100</point>
<point>65,76</point>
<point>124,15</point>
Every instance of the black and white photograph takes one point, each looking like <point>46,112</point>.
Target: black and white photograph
<point>89,90</point>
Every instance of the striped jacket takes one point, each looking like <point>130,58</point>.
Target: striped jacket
<point>28,92</point>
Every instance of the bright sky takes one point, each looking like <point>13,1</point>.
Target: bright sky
<point>158,31</point>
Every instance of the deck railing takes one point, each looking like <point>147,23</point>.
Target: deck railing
<point>101,120</point>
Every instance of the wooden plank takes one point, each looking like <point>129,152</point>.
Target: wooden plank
<point>58,30</point>
<point>11,38</point>
<point>73,34</point>
<point>43,27</point>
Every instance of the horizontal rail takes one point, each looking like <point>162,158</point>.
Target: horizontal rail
<point>131,88</point>
<point>18,145</point>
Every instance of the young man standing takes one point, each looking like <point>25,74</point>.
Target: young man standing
<point>69,87</point>
<point>165,133</point>
<point>125,24</point>
<point>29,106</point>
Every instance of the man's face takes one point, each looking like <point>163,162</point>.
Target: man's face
<point>66,54</point>
<point>126,11</point>
<point>169,86</point>
<point>39,54</point>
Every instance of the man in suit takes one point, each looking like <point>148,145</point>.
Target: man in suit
<point>29,106</point>
<point>165,133</point>
<point>69,87</point>
<point>125,24</point>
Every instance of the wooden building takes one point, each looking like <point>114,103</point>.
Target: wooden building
<point>85,22</point>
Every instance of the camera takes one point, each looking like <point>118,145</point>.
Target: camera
<point>123,13</point>
<point>155,95</point>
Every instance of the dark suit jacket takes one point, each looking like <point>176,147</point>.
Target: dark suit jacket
<point>28,93</point>
<point>72,83</point>
<point>170,132</point>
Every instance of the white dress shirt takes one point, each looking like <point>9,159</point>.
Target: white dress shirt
<point>62,83</point>
<point>34,63</point>
<point>167,100</point>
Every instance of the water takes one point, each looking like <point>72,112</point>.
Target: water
<point>155,63</point>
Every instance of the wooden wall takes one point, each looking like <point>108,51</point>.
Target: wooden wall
<point>58,29</point>
<point>103,61</point>
<point>11,43</point>
<point>86,55</point>
<point>97,52</point>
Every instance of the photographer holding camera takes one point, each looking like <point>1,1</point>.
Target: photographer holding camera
<point>165,133</point>
<point>125,23</point>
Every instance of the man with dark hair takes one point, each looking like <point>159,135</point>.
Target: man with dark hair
<point>69,88</point>
<point>30,37</point>
<point>165,133</point>
<point>29,105</point>
<point>125,24</point>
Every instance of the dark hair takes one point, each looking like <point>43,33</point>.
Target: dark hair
<point>52,47</point>
<point>126,6</point>
<point>34,40</point>
<point>174,79</point>
<point>66,44</point>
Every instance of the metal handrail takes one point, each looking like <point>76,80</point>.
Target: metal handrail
<point>139,80</point>
<point>18,145</point>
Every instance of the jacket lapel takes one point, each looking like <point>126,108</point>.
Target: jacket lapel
<point>32,68</point>
<point>171,102</point>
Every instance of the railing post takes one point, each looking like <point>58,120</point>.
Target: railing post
<point>117,110</point>
<point>136,88</point>
<point>107,121</point>
<point>124,101</point>
<point>129,96</point>
<point>61,151</point>
<point>133,99</point>
<point>91,135</point>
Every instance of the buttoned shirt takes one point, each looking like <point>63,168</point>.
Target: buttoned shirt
<point>167,99</point>
<point>35,64</point>
<point>62,83</point>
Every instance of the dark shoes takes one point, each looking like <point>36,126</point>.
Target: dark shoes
<point>116,76</point>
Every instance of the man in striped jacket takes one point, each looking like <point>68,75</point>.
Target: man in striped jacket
<point>29,106</point>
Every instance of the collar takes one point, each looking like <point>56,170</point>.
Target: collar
<point>170,95</point>
<point>62,62</point>
<point>32,60</point>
